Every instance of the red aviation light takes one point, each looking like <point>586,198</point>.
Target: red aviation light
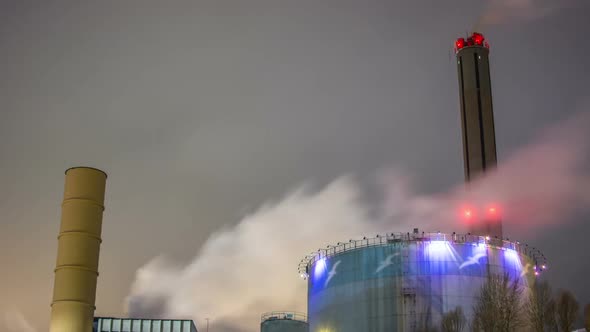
<point>493,211</point>
<point>468,214</point>
<point>478,38</point>
<point>460,43</point>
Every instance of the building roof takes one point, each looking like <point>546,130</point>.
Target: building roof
<point>113,324</point>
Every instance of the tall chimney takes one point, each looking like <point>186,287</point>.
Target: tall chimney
<point>477,117</point>
<point>76,272</point>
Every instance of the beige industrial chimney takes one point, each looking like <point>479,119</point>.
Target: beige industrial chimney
<point>76,272</point>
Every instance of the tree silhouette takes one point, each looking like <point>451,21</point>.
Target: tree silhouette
<point>540,308</point>
<point>424,323</point>
<point>551,316</point>
<point>499,307</point>
<point>587,317</point>
<point>567,310</point>
<point>453,321</point>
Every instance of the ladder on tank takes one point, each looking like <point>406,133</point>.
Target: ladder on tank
<point>408,291</point>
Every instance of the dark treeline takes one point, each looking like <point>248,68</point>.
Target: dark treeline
<point>505,305</point>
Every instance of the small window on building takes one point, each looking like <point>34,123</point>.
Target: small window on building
<point>177,326</point>
<point>105,325</point>
<point>136,325</point>
<point>126,325</point>
<point>116,325</point>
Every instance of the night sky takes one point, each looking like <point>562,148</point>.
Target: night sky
<point>202,111</point>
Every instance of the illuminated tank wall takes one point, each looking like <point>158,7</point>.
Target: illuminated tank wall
<point>399,281</point>
<point>283,322</point>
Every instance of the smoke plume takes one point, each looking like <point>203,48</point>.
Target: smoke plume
<point>504,11</point>
<point>246,270</point>
<point>539,186</point>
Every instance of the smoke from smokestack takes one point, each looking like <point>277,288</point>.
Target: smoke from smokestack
<point>251,268</point>
<point>504,11</point>
<point>540,185</point>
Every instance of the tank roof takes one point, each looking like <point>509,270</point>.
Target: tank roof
<point>283,315</point>
<point>415,236</point>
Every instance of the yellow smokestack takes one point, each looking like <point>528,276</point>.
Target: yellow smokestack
<point>74,290</point>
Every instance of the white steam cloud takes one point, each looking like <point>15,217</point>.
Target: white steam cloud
<point>15,321</point>
<point>249,269</point>
<point>252,268</point>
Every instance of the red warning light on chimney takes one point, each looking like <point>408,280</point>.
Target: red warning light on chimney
<point>468,214</point>
<point>476,39</point>
<point>494,210</point>
<point>460,43</point>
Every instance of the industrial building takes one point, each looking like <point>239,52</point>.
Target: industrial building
<point>392,282</point>
<point>283,321</point>
<point>402,282</point>
<point>110,324</point>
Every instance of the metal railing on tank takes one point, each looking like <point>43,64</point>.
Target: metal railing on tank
<point>283,315</point>
<point>392,238</point>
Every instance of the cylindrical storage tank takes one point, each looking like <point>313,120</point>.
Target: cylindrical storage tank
<point>76,272</point>
<point>284,321</point>
<point>403,282</point>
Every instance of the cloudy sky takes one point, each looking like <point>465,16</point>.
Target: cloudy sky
<point>202,111</point>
